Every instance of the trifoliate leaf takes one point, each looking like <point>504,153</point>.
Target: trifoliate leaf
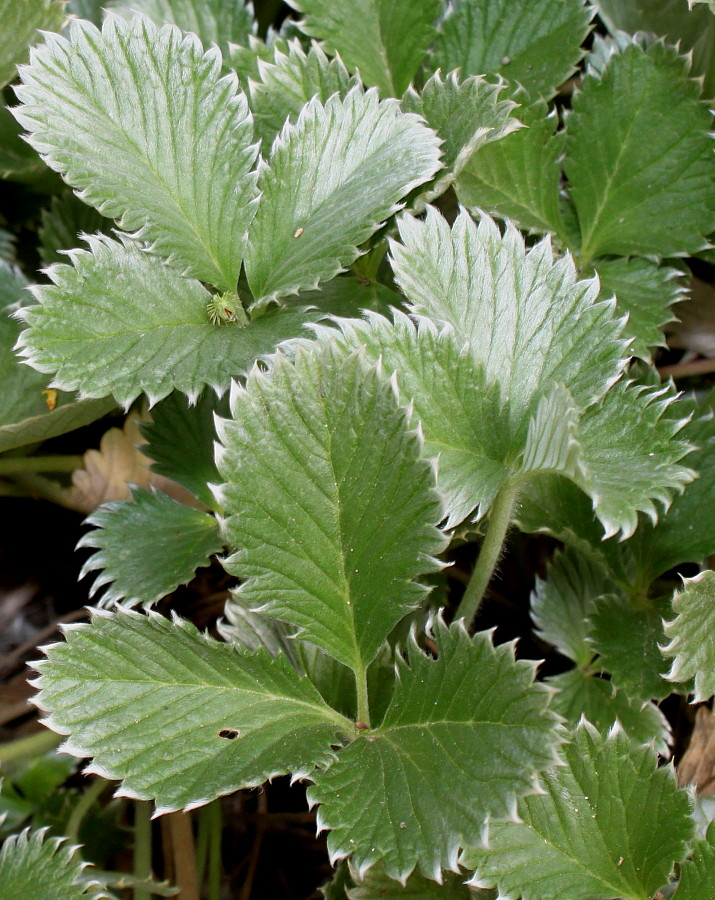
<point>640,157</point>
<point>119,321</point>
<point>582,694</point>
<point>315,457</point>
<point>609,825</point>
<point>32,864</point>
<point>690,635</point>
<point>377,885</point>
<point>147,548</point>
<point>221,22</point>
<point>646,292</point>
<point>628,635</point>
<point>22,24</point>
<point>140,121</point>
<point>697,875</point>
<point>291,79</point>
<point>63,222</point>
<point>535,46</point>
<point>317,206</point>
<point>180,717</point>
<point>464,736</point>
<point>386,40</point>
<point>520,177</point>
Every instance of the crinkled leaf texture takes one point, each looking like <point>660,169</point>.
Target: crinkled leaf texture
<point>22,23</point>
<point>34,865</point>
<point>331,181</point>
<point>147,548</point>
<point>330,506</point>
<point>690,635</point>
<point>180,717</point>
<point>386,40</point>
<point>610,824</point>
<point>121,321</point>
<point>140,121</point>
<point>465,735</point>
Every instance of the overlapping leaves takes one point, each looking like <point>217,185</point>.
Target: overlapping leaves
<point>690,633</point>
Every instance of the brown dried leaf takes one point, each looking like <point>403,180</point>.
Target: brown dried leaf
<point>698,763</point>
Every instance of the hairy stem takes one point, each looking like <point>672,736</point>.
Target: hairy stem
<point>83,806</point>
<point>18,464</point>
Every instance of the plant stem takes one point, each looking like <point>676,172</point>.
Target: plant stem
<point>27,747</point>
<point>499,520</point>
<point>19,464</point>
<point>82,808</point>
<point>142,848</point>
<point>215,828</point>
<point>184,853</point>
<point>363,702</point>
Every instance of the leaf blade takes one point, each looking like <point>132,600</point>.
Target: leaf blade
<point>689,633</point>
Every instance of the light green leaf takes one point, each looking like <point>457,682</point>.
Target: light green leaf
<point>289,80</point>
<point>520,177</point>
<point>219,22</point>
<point>646,291</point>
<point>317,206</point>
<point>146,548</point>
<point>537,46</point>
<point>464,736</point>
<point>180,717</point>
<point>610,824</point>
<point>119,321</point>
<point>63,222</point>
<point>628,635</point>
<point>88,9</point>
<point>697,875</point>
<point>21,24</point>
<point>32,864</point>
<point>244,60</point>
<point>583,694</point>
<point>140,121</point>
<point>315,459</point>
<point>640,157</point>
<point>690,635</point>
<point>376,885</point>
<point>385,39</point>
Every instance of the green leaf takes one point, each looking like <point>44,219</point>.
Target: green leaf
<point>18,161</point>
<point>628,635</point>
<point>520,177</point>
<point>219,22</point>
<point>178,174</point>
<point>582,694</point>
<point>62,224</point>
<point>610,824</point>
<point>385,39</point>
<point>88,9</point>
<point>646,291</point>
<point>22,23</point>
<point>464,736</point>
<point>32,864</point>
<point>315,459</point>
<point>252,630</point>
<point>537,46</point>
<point>147,548</point>
<point>376,885</point>
<point>697,875</point>
<point>690,635</point>
<point>317,207</point>
<point>640,157</point>
<point>119,321</point>
<point>180,717</point>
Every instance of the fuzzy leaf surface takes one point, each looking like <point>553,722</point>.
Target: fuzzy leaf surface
<point>690,635</point>
<point>331,181</point>
<point>147,548</point>
<point>640,157</point>
<point>385,39</point>
<point>148,698</point>
<point>22,23</point>
<point>464,735</point>
<point>140,120</point>
<point>609,825</point>
<point>697,875</point>
<point>120,321</point>
<point>537,46</point>
<point>330,506</point>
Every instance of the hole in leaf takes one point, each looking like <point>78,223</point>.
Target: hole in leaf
<point>230,734</point>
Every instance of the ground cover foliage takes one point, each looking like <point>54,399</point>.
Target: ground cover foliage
<point>383,286</point>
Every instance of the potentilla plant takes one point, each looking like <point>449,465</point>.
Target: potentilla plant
<point>334,455</point>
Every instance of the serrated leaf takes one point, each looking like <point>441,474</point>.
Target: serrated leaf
<point>146,548</point>
<point>640,157</point>
<point>347,296</point>
<point>385,39</point>
<point>690,635</point>
<point>583,694</point>
<point>628,635</point>
<point>87,9</point>
<point>179,173</point>
<point>63,222</point>
<point>609,825</point>
<point>318,206</point>
<point>376,885</point>
<point>315,457</point>
<point>120,321</point>
<point>128,682</point>
<point>22,24</point>
<point>520,177</point>
<point>32,864</point>
<point>221,22</point>
<point>535,46</point>
<point>646,291</point>
<point>18,161</point>
<point>697,875</point>
<point>252,630</point>
<point>245,60</point>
